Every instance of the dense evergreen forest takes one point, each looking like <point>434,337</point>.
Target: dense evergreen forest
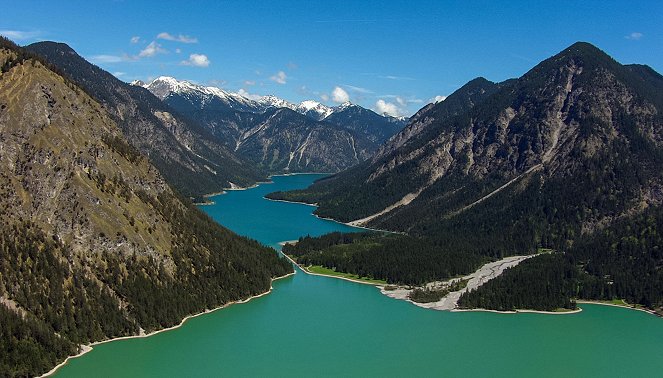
<point>547,283</point>
<point>393,258</point>
<point>623,261</point>
<point>119,294</point>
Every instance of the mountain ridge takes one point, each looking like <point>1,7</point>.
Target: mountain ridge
<point>185,152</point>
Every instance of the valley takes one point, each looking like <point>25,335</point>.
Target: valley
<point>331,189</point>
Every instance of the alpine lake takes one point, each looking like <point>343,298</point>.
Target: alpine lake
<point>320,326</point>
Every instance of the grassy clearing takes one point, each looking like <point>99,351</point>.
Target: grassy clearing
<point>317,269</point>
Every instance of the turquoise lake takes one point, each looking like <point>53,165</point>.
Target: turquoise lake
<point>319,326</point>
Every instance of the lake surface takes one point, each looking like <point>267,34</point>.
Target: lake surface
<point>319,326</point>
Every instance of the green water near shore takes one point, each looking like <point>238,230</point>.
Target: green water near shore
<point>319,326</point>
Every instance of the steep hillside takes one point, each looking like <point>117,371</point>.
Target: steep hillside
<point>93,243</point>
<point>187,155</point>
<point>563,152</point>
<point>281,140</point>
<point>374,127</point>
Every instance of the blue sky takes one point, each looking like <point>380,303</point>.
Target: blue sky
<point>391,56</point>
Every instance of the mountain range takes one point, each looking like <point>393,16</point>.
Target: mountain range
<point>278,136</point>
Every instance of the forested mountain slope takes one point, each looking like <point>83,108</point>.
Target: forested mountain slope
<point>93,243</point>
<point>560,154</point>
<point>187,154</point>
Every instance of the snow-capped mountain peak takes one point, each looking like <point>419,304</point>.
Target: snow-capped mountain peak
<point>164,86</point>
<point>275,102</point>
<point>314,109</point>
<point>344,106</point>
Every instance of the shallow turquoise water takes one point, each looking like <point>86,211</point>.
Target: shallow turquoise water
<point>318,326</point>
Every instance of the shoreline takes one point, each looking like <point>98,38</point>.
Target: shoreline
<point>85,348</point>
<point>628,307</point>
<point>257,183</point>
<point>332,219</point>
<point>518,311</point>
<point>324,275</point>
<point>294,202</point>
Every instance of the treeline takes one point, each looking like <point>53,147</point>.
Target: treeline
<point>393,258</point>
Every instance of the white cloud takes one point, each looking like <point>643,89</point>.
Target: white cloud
<point>178,51</point>
<point>401,101</point>
<point>151,50</point>
<point>100,59</point>
<point>135,39</point>
<point>635,36</point>
<point>119,74</point>
<point>19,35</point>
<point>179,38</point>
<point>358,89</point>
<point>196,60</point>
<point>394,77</point>
<point>248,95</point>
<point>249,82</point>
<point>324,97</point>
<point>280,77</point>
<point>383,107</point>
<point>437,99</point>
<point>339,95</point>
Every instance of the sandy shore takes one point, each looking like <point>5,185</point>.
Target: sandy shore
<point>474,280</point>
<point>86,348</point>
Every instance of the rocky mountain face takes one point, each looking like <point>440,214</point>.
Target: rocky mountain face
<point>187,154</point>
<point>577,120</point>
<point>376,128</point>
<point>281,140</point>
<point>279,136</point>
<point>93,243</point>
